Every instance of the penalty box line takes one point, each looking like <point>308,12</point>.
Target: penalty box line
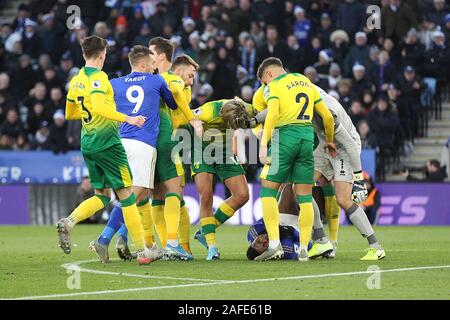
<point>230,282</point>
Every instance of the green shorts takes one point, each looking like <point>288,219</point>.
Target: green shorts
<point>166,167</point>
<point>109,168</point>
<point>292,160</point>
<point>227,166</point>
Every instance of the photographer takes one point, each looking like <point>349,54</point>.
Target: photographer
<point>433,172</point>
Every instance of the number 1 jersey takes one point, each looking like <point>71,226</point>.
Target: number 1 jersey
<point>140,94</point>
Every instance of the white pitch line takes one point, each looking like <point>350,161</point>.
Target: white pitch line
<point>329,275</point>
<point>68,266</point>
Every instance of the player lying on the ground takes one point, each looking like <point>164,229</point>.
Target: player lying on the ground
<point>289,234</point>
<point>291,101</point>
<point>138,93</point>
<point>91,99</point>
<point>222,163</point>
<point>168,171</point>
<point>345,168</point>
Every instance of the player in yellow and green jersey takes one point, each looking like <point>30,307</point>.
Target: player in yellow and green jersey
<point>169,211</point>
<point>91,100</point>
<point>291,102</point>
<point>214,156</point>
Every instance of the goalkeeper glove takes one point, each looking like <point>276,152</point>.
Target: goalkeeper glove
<point>359,190</point>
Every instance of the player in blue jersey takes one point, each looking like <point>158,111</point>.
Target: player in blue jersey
<point>138,93</point>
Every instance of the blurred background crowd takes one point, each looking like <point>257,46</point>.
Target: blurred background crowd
<point>385,78</point>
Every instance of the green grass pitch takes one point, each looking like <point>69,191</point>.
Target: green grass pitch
<point>31,266</point>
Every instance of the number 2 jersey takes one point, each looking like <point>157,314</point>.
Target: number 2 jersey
<point>140,94</point>
<point>97,133</point>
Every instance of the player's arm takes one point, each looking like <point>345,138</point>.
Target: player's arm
<point>182,103</point>
<point>72,110</point>
<point>273,109</point>
<point>167,96</point>
<point>328,123</point>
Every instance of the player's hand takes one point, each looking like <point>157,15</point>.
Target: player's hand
<point>330,148</point>
<point>359,190</point>
<point>252,123</point>
<point>198,127</point>
<point>263,151</point>
<point>136,121</point>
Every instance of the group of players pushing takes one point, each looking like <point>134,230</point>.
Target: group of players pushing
<point>137,161</point>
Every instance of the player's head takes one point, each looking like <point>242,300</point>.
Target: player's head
<point>94,49</point>
<point>258,246</point>
<point>141,59</point>
<point>269,69</point>
<point>162,50</point>
<point>234,113</point>
<point>185,67</point>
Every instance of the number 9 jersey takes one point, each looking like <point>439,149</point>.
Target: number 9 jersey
<point>297,97</point>
<point>97,133</point>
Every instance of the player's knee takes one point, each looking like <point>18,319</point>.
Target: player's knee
<point>241,197</point>
<point>344,201</point>
<point>206,197</point>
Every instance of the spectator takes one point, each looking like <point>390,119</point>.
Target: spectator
<point>194,45</point>
<point>437,15</point>
<point>228,16</point>
<point>66,64</point>
<point>224,70</point>
<point>52,35</point>
<point>274,47</point>
<point>12,127</point>
<point>21,144</point>
<point>345,93</point>
<point>333,78</point>
<point>302,27</point>
<point>412,50</point>
<point>204,95</point>
<point>135,24</point>
<point>339,45</point>
<point>351,16</point>
<point>188,28</point>
<point>384,123</point>
<point>358,53</point>
<point>356,112</point>
<point>437,58</point>
<point>383,72</point>
<point>36,116</point>
<point>244,15</point>
<point>297,54</point>
<point>247,94</point>
<point>248,56</point>
<point>257,33</point>
<point>31,41</point>
<point>6,143</point>
<point>160,19</point>
<point>323,65</point>
<point>39,141</point>
<point>5,91</point>
<point>37,95</point>
<point>368,139</point>
<point>312,55</point>
<point>433,172</point>
<point>396,19</point>
<point>23,77</point>
<point>325,29</point>
<point>368,100</point>
<point>57,139</point>
<point>427,28</point>
<point>361,81</point>
<point>447,27</point>
<point>311,74</point>
<point>206,59</point>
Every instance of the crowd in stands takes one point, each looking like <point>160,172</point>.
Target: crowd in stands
<point>381,76</point>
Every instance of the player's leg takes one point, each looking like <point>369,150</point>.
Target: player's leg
<point>359,219</point>
<point>158,213</point>
<point>204,182</point>
<point>184,227</point>
<point>88,207</point>
<point>303,178</point>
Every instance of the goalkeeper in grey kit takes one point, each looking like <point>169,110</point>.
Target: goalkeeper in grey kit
<point>345,169</point>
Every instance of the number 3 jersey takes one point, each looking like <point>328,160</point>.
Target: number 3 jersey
<point>140,94</point>
<point>97,133</point>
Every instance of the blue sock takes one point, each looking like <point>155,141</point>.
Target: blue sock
<point>123,232</point>
<point>114,224</point>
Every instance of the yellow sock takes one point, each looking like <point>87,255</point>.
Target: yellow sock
<point>172,215</point>
<point>184,227</point>
<point>332,211</point>
<point>133,221</point>
<point>305,219</point>
<point>88,208</point>
<point>208,226</point>
<point>159,221</point>
<point>145,210</point>
<point>270,213</point>
<point>223,213</point>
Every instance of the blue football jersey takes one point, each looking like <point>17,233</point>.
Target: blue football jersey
<point>139,94</point>
<point>289,238</point>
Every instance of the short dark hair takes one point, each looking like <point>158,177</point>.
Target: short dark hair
<point>271,61</point>
<point>163,46</point>
<point>137,53</point>
<point>93,46</point>
<point>184,60</point>
<point>252,253</point>
<point>435,163</point>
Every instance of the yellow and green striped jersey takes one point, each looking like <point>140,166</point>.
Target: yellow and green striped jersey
<point>97,133</point>
<point>258,101</point>
<point>297,97</point>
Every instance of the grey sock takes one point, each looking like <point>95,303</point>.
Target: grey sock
<point>359,219</point>
<point>319,236</point>
<point>317,220</point>
<point>373,241</point>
